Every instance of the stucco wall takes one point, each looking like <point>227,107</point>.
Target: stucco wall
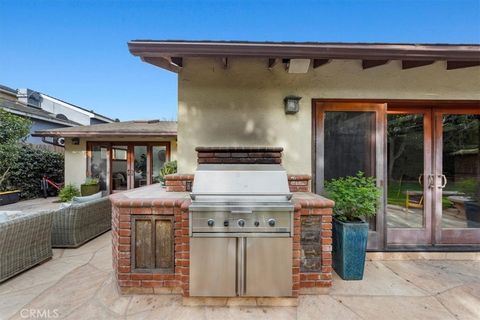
<point>76,156</point>
<point>243,105</point>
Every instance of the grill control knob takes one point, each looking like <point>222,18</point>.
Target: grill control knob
<point>225,223</point>
<point>241,222</point>
<point>271,222</point>
<point>256,223</point>
<point>210,222</point>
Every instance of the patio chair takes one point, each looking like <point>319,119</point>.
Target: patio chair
<point>25,241</point>
<point>79,223</point>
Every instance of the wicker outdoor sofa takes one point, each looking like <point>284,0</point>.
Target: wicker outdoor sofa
<point>78,223</point>
<point>25,241</point>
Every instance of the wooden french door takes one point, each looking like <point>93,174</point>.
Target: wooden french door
<point>457,176</point>
<point>122,166</point>
<point>349,137</point>
<point>433,175</point>
<point>410,188</point>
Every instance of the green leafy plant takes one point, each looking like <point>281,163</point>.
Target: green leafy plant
<point>68,192</point>
<point>356,198</point>
<point>168,168</point>
<point>89,181</point>
<point>13,130</point>
<point>468,186</point>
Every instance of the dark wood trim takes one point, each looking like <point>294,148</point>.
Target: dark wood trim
<point>410,64</point>
<point>367,64</point>
<point>162,63</point>
<point>320,62</point>
<point>401,103</point>
<point>177,61</point>
<point>272,63</point>
<point>452,65</point>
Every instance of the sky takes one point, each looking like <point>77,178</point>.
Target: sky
<point>76,50</point>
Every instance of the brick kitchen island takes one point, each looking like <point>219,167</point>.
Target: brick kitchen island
<point>150,229</point>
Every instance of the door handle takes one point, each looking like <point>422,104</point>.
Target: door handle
<point>444,181</point>
<point>420,179</point>
<point>431,181</point>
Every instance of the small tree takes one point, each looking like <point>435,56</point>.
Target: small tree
<point>13,130</point>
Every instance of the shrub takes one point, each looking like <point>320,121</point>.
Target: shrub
<point>355,198</point>
<point>91,181</point>
<point>168,168</point>
<point>68,192</point>
<point>13,129</point>
<point>32,163</point>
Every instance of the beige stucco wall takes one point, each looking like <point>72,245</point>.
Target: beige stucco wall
<point>76,156</point>
<point>243,105</point>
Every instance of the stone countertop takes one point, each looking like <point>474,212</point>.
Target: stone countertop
<point>146,195</point>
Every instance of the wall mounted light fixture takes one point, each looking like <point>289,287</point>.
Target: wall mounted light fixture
<point>292,104</point>
<point>76,141</point>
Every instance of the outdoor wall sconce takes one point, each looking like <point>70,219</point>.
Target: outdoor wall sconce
<point>292,104</point>
<point>76,141</point>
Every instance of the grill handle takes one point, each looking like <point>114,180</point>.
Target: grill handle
<point>286,195</point>
<point>241,211</point>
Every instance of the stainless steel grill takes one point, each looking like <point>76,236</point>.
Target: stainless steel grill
<point>241,224</point>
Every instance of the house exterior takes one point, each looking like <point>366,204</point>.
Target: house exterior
<point>122,155</point>
<point>46,112</point>
<point>398,112</point>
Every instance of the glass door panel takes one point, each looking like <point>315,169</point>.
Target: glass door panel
<point>120,168</point>
<point>139,166</point>
<point>458,178</point>
<point>409,193</point>
<point>349,139</point>
<point>159,157</point>
<point>98,164</point>
<point>406,200</point>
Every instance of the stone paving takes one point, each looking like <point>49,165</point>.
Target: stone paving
<point>33,205</point>
<point>78,284</point>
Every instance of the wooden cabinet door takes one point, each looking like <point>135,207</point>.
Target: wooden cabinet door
<point>152,244</point>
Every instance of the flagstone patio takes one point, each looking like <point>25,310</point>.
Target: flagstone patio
<point>78,284</point>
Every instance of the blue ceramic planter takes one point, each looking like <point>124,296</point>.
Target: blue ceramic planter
<point>349,247</point>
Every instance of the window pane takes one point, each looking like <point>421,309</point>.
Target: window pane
<point>119,167</point>
<point>140,165</point>
<point>461,167</point>
<point>349,144</point>
<point>159,157</point>
<point>98,165</point>
<point>405,161</point>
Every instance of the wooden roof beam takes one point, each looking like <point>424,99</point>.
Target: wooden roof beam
<point>410,64</point>
<point>162,63</point>
<point>177,61</point>
<point>225,63</point>
<point>271,63</point>
<point>452,65</point>
<point>320,62</point>
<point>367,64</point>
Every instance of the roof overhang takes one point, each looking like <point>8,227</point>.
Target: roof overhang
<point>168,54</point>
<point>94,134</point>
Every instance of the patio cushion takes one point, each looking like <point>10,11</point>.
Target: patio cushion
<point>95,196</point>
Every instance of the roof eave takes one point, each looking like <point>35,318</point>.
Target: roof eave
<point>304,50</point>
<point>92,134</point>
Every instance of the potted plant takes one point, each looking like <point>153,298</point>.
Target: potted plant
<point>470,187</point>
<point>91,186</point>
<point>356,200</point>
<point>68,192</point>
<point>168,168</point>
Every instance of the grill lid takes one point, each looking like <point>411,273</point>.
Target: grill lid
<point>240,183</point>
